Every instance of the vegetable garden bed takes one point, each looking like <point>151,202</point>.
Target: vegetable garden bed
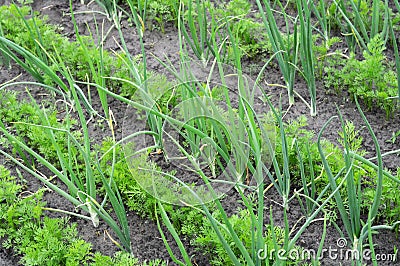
<point>199,133</point>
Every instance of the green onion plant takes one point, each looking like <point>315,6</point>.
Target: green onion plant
<point>96,65</point>
<point>259,142</point>
<point>193,25</point>
<point>82,193</point>
<point>286,45</point>
<point>141,78</point>
<point>306,51</point>
<point>359,31</point>
<point>34,32</point>
<point>80,182</point>
<point>321,13</point>
<point>5,59</point>
<point>356,230</point>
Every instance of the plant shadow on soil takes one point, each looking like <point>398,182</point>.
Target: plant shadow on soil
<point>147,242</point>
